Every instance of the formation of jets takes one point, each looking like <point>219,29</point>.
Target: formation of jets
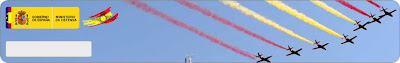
<point>320,46</point>
<point>348,40</point>
<point>374,19</point>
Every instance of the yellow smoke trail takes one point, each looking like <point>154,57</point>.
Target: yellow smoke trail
<point>257,16</point>
<point>331,10</point>
<point>301,16</point>
<point>97,21</point>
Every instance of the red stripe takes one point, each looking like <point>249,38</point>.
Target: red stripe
<point>373,3</point>
<point>215,16</point>
<point>9,9</point>
<point>9,25</point>
<point>143,6</point>
<point>348,5</point>
<point>101,13</point>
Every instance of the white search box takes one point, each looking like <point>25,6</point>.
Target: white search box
<point>48,48</point>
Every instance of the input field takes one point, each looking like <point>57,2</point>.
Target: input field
<point>48,48</point>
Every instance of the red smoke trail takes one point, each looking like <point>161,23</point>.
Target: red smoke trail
<point>143,6</point>
<point>101,13</point>
<point>214,16</point>
<point>373,3</point>
<point>348,5</point>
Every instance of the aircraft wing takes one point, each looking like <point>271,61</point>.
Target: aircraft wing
<point>367,23</point>
<point>299,49</point>
<point>325,44</point>
<point>393,11</point>
<point>381,16</point>
<point>354,37</point>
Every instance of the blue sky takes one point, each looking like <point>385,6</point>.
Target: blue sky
<point>141,37</point>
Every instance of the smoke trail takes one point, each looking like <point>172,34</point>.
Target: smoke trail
<point>253,14</point>
<point>373,3</point>
<point>108,20</point>
<point>143,6</point>
<point>348,5</point>
<point>101,13</point>
<point>225,21</point>
<point>331,10</point>
<point>301,16</point>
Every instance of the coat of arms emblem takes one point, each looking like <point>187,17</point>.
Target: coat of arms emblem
<point>21,18</point>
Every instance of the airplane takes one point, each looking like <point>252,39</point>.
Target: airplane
<point>348,40</point>
<point>361,25</point>
<point>319,45</point>
<point>374,19</point>
<point>188,58</point>
<point>293,51</point>
<point>262,58</point>
<point>386,12</point>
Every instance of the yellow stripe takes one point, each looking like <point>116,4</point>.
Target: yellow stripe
<point>10,17</point>
<point>301,16</point>
<point>98,20</point>
<point>257,16</point>
<point>331,10</point>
